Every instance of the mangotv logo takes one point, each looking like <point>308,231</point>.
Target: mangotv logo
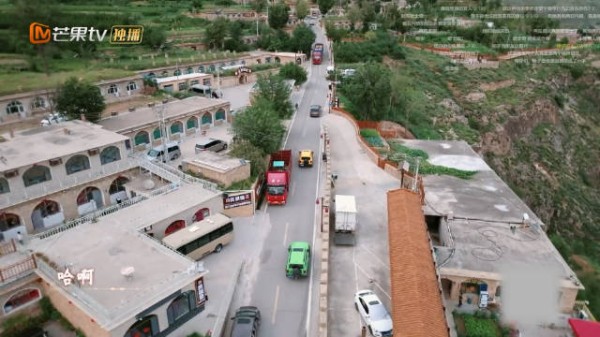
<point>119,34</point>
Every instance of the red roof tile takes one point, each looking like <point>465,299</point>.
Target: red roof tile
<point>417,307</point>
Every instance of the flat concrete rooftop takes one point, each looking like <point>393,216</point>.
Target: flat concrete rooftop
<point>216,162</point>
<point>484,209</point>
<point>55,141</point>
<point>113,243</point>
<point>149,115</point>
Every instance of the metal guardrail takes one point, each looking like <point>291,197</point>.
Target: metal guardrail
<point>105,211</point>
<point>16,270</point>
<point>7,247</point>
<point>57,185</point>
<point>186,177</point>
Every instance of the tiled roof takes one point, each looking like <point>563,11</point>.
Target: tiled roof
<point>417,307</point>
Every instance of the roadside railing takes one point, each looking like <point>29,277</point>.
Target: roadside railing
<point>7,247</point>
<point>186,177</point>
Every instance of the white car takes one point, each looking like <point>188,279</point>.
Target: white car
<point>373,313</point>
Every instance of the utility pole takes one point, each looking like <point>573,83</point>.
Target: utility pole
<point>416,174</point>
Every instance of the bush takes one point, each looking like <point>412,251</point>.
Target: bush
<point>480,327</point>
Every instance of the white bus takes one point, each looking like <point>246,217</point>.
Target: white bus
<point>202,238</point>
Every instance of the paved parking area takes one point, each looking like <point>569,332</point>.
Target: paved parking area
<point>365,265</point>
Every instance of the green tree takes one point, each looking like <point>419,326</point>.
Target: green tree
<point>256,156</point>
<point>335,34</point>
<point>260,126</point>
<point>77,97</point>
<point>236,31</point>
<point>325,5</point>
<point>294,72</point>
<point>274,89</point>
<point>154,37</point>
<point>279,15</point>
<point>302,39</point>
<point>196,6</point>
<point>301,9</point>
<point>369,91</point>
<point>216,33</point>
<point>258,5</point>
<point>354,15</point>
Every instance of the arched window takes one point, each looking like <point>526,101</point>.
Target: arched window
<point>88,194</point>
<point>131,86</point>
<point>201,69</point>
<point>141,137</point>
<point>201,214</point>
<point>211,67</point>
<point>243,62</point>
<point>151,76</point>
<point>192,123</point>
<point>176,127</point>
<point>77,163</point>
<point>206,118</point>
<point>145,327</point>
<point>189,70</point>
<point>181,306</point>
<point>8,221</point>
<point>47,208</point>
<point>156,134</point>
<point>22,298</point>
<point>109,155</point>
<point>113,89</point>
<point>164,74</point>
<point>118,185</point>
<point>38,103</point>
<point>177,72</point>
<point>175,226</point>
<point>14,107</point>
<point>4,187</point>
<point>36,174</point>
<point>220,115</point>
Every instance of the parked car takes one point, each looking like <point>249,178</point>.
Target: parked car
<point>53,118</point>
<point>298,262</point>
<point>373,313</point>
<point>210,144</point>
<point>246,322</point>
<point>315,111</point>
<point>158,153</point>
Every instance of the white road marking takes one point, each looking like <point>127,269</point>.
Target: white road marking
<point>275,305</point>
<point>287,225</point>
<point>312,262</point>
<point>375,256</point>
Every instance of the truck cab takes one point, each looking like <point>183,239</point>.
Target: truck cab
<point>298,262</point>
<point>305,158</point>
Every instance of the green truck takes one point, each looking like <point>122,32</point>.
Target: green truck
<point>298,262</point>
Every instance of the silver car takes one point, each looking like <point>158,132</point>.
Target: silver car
<point>373,313</point>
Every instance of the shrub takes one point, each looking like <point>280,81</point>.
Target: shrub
<point>480,327</point>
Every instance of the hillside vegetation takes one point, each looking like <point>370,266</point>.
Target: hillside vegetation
<point>538,126</point>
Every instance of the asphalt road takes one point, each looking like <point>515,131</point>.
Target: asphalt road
<point>284,303</point>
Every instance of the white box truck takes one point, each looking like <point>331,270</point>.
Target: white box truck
<point>345,220</point>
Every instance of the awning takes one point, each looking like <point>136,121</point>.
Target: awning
<point>584,328</point>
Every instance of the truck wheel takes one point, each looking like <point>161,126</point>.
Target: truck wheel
<point>219,248</point>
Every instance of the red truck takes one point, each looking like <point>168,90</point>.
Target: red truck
<point>279,176</point>
<point>317,53</point>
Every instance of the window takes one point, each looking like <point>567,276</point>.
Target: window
<point>201,69</point>
<point>14,107</point>
<point>189,70</point>
<point>36,175</point>
<point>8,221</point>
<point>211,67</point>
<point>4,187</point>
<point>144,327</point>
<point>194,82</point>
<point>181,306</point>
<point>39,103</point>
<point>164,74</point>
<point>220,115</point>
<point>182,86</point>
<point>206,81</point>
<point>77,163</point>
<point>176,127</point>
<point>192,123</point>
<point>109,155</point>
<point>156,134</point>
<point>113,89</point>
<point>131,86</point>
<point>142,137</point>
<point>177,72</point>
<point>268,59</point>
<point>21,298</point>
<point>206,118</point>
